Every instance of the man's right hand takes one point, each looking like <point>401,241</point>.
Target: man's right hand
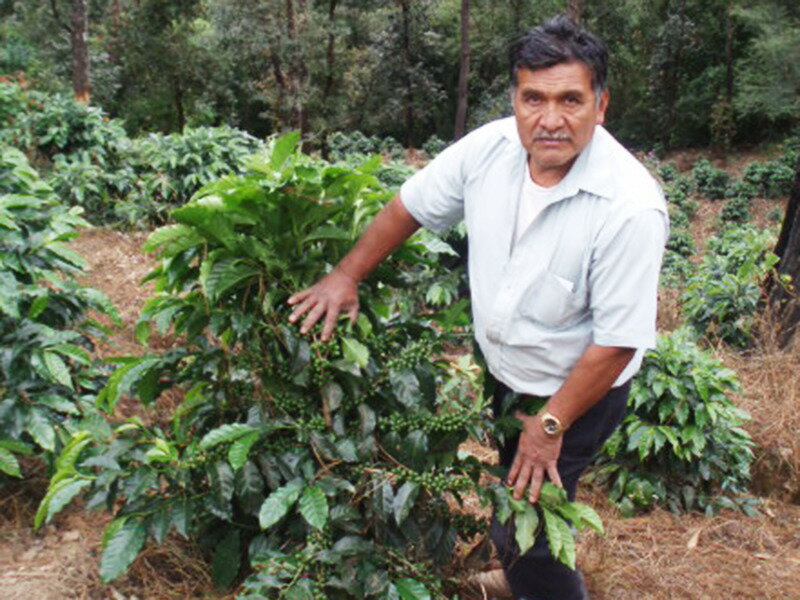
<point>332,295</point>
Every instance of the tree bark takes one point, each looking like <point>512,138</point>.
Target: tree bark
<point>463,74</point>
<point>405,35</point>
<point>177,96</point>
<point>79,34</point>
<point>783,298</point>
<point>330,55</point>
<point>575,10</point>
<point>729,30</point>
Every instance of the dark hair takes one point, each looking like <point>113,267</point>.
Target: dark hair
<point>557,41</point>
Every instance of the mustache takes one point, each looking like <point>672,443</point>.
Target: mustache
<point>551,137</point>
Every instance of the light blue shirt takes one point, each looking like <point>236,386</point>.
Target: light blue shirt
<point>584,271</point>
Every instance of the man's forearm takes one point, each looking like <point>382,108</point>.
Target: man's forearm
<point>590,379</point>
<point>390,228</point>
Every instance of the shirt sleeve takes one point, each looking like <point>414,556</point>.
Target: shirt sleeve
<point>624,281</point>
<point>434,195</point>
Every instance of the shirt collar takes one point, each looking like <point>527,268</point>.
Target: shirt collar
<point>590,172</point>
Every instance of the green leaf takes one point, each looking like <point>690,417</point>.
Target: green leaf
<point>227,559</point>
<point>221,479</point>
<point>405,386</point>
<point>65,463</point>
<point>240,449</point>
<point>283,149</point>
<point>121,549</point>
<point>9,464</point>
<point>38,306</point>
<point>225,433</point>
<point>526,523</point>
<point>553,531</point>
<point>411,589</point>
<point>551,495</point>
<point>355,351</point>
<point>404,501</point>
<point>57,497</point>
<point>314,507</point>
<point>278,503</point>
<point>58,369</point>
<point>41,430</point>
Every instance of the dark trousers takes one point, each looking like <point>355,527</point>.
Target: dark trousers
<point>536,575</point>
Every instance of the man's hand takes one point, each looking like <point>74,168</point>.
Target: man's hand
<point>537,455</point>
<point>335,293</point>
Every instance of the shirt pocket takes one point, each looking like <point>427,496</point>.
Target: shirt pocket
<point>551,301</point>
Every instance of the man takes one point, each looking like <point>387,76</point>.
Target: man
<point>566,231</point>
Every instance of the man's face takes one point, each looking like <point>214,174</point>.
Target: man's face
<point>556,111</point>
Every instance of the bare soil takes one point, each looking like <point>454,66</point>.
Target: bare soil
<point>657,556</point>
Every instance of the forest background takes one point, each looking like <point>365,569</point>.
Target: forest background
<point>171,95</point>
<point>683,72</point>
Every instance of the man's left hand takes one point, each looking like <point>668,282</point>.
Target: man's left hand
<point>537,455</point>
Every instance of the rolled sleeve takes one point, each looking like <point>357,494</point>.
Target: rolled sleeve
<point>624,281</point>
<point>435,195</point>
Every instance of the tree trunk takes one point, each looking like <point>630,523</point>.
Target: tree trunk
<point>177,96</point>
<point>463,74</point>
<point>79,33</point>
<point>575,10</point>
<point>784,299</point>
<point>405,35</point>
<point>330,55</point>
<point>729,30</point>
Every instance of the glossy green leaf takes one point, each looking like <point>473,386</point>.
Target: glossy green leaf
<point>225,433</point>
<point>121,549</point>
<point>283,149</point>
<point>278,503</point>
<point>404,501</point>
<point>355,351</point>
<point>411,589</point>
<point>227,559</point>
<point>526,523</point>
<point>314,507</point>
<point>58,369</point>
<point>8,463</point>
<point>240,449</point>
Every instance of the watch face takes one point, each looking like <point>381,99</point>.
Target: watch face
<point>550,426</point>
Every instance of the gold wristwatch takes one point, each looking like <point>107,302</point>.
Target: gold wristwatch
<point>551,424</point>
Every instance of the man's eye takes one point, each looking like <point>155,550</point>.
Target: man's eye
<point>572,100</point>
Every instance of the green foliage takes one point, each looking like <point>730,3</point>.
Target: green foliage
<point>682,444</point>
<point>554,514</point>
<point>771,179</point>
<point>355,145</point>
<point>170,168</point>
<point>710,181</point>
<point>721,297</point>
<point>736,210</point>
<point>47,378</point>
<point>323,464</point>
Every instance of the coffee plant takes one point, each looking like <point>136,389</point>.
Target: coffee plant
<point>736,210</point>
<point>722,295</point>
<point>330,467</point>
<point>710,181</point>
<point>47,378</point>
<point>682,444</point>
<point>343,146</point>
<point>771,179</point>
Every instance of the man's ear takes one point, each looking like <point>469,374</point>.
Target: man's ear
<point>602,106</point>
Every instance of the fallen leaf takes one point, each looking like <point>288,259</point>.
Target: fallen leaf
<point>692,543</point>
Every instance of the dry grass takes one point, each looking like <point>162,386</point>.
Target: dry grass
<point>770,377</point>
<point>660,556</point>
<point>116,267</point>
<point>61,560</point>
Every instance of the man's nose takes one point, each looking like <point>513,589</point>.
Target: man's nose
<point>551,118</point>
